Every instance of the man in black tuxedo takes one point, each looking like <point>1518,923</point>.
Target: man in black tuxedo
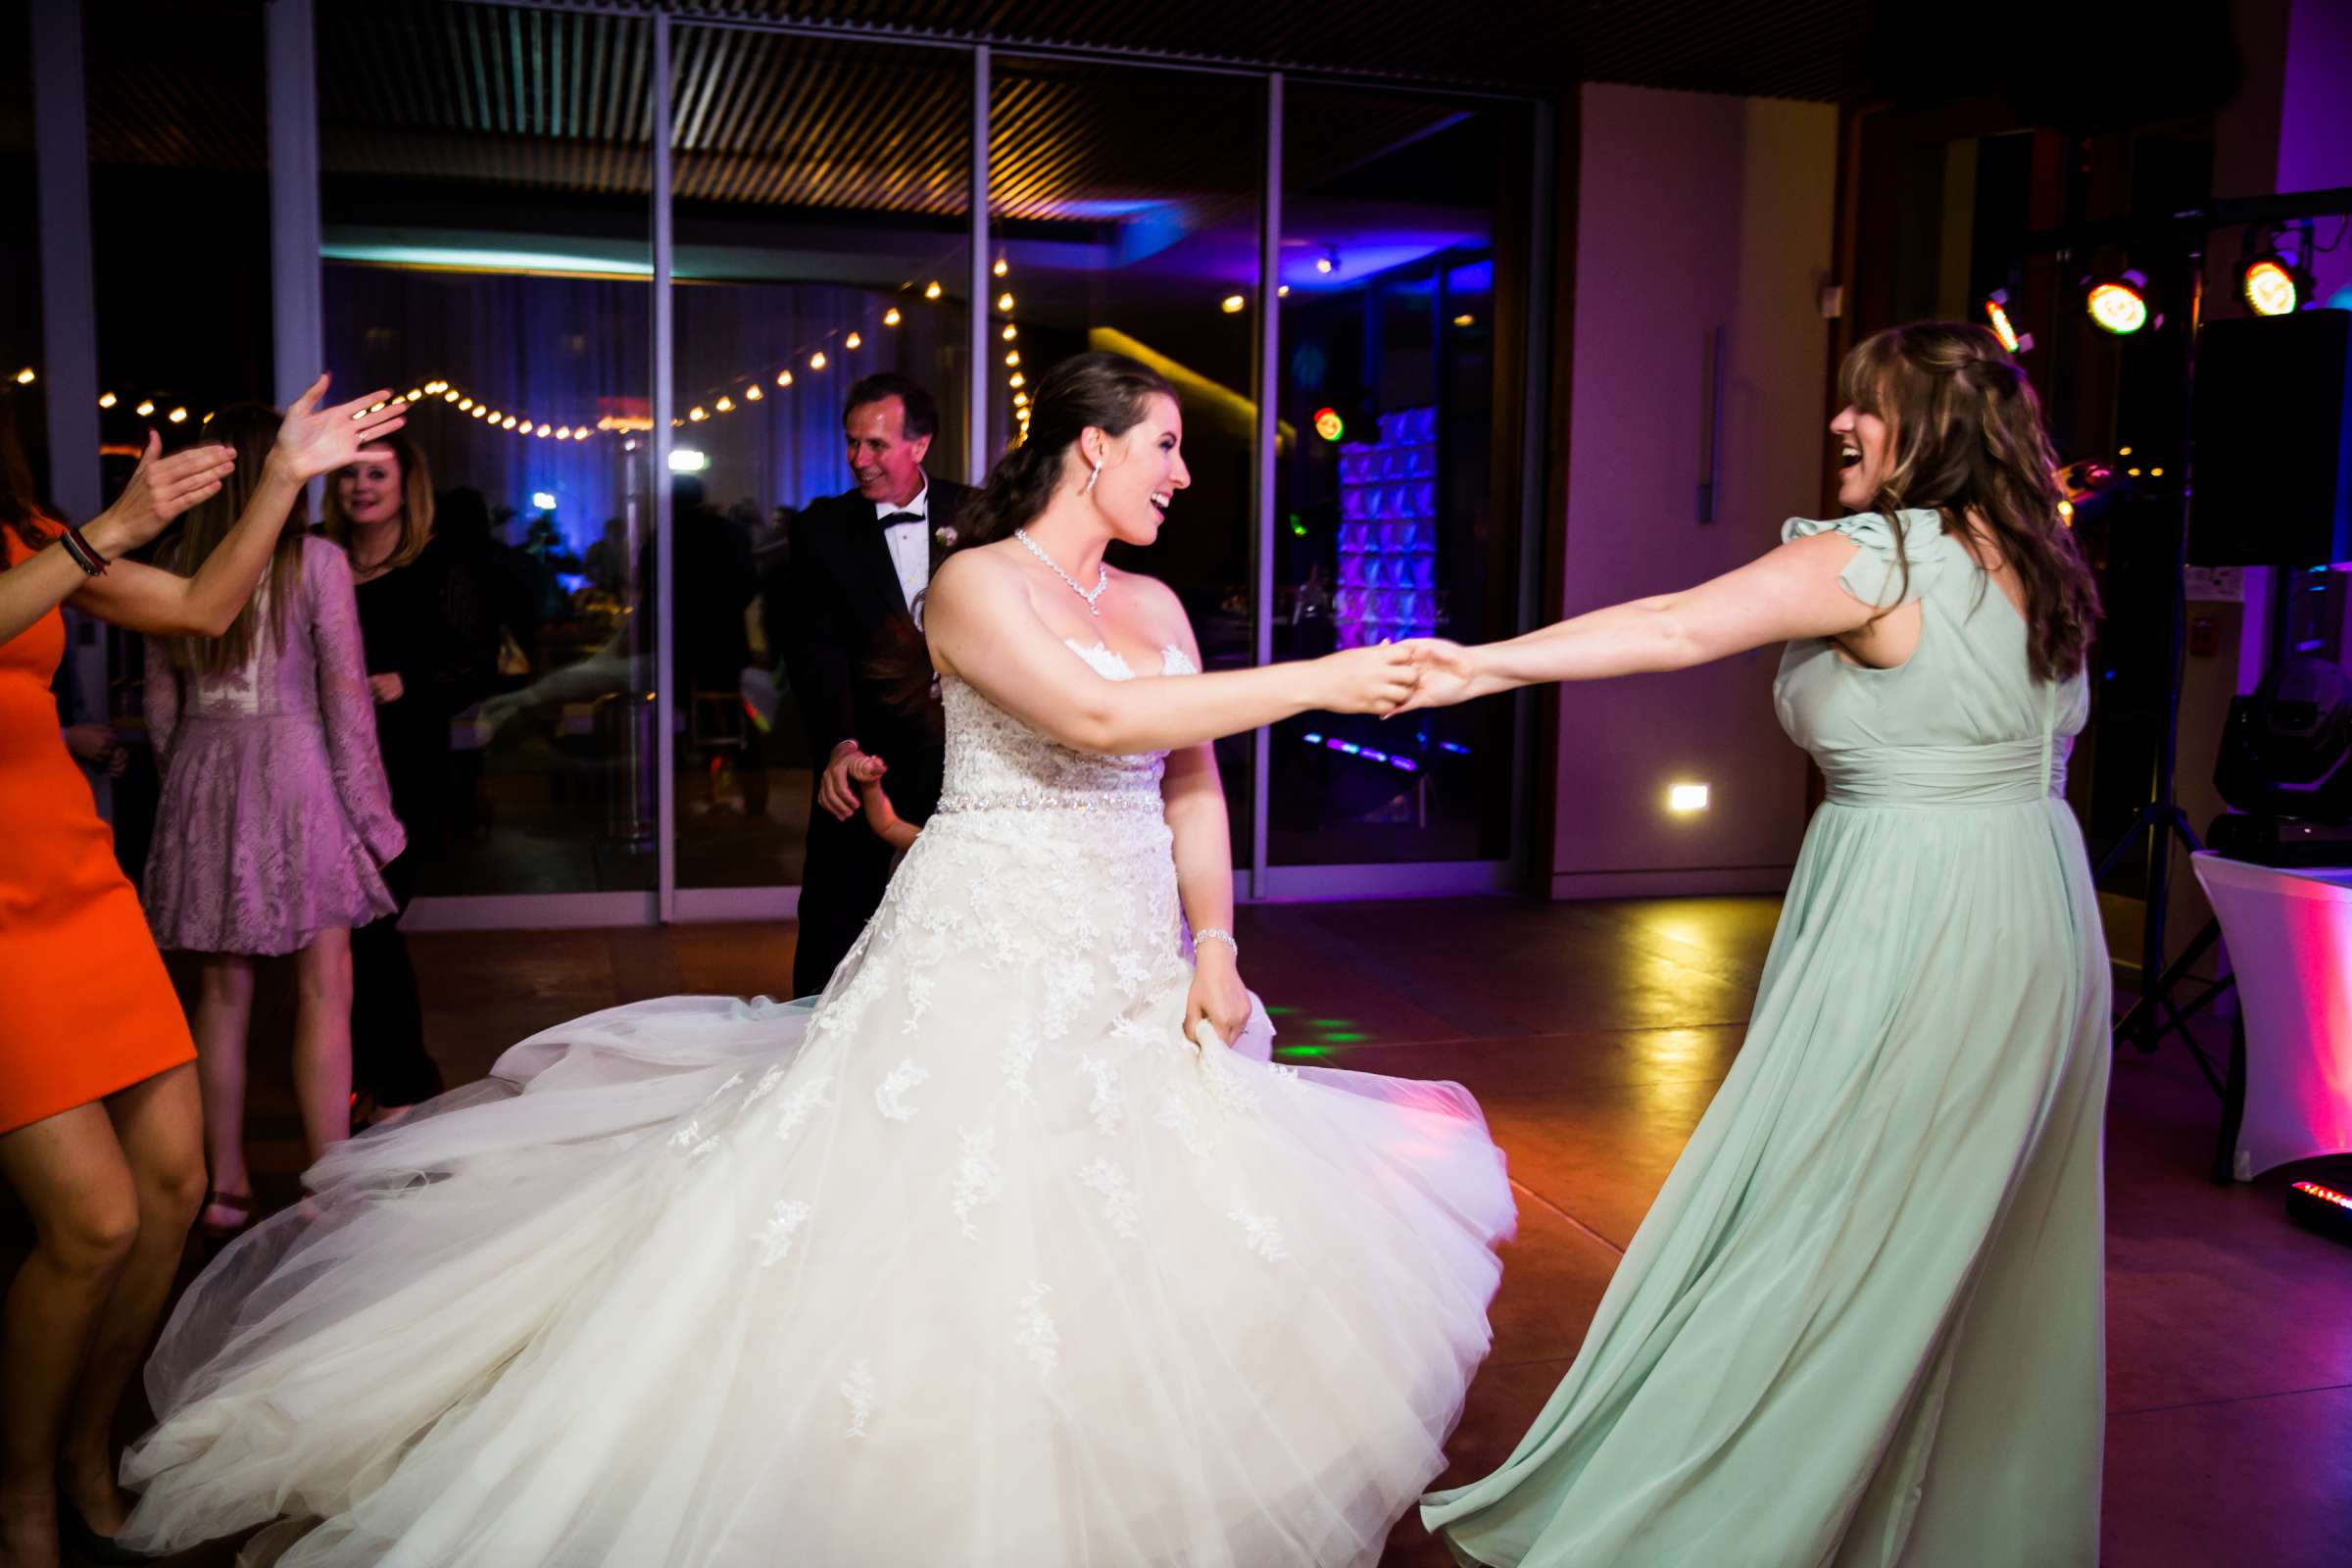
<point>860,561</point>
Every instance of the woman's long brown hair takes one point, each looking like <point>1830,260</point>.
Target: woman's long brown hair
<point>1967,440</point>
<point>249,430</point>
<point>20,513</point>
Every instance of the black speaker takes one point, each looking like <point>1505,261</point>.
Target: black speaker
<point>2272,448</point>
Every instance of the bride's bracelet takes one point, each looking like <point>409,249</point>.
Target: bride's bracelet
<point>1211,933</point>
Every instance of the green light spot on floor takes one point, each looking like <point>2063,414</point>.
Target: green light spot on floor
<point>1347,1036</point>
<point>1280,1013</point>
<point>1331,1023</point>
<point>1303,1050</point>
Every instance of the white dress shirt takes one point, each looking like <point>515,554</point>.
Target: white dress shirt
<point>911,542</point>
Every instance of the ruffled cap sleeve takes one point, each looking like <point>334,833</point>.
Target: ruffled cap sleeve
<point>1874,574</point>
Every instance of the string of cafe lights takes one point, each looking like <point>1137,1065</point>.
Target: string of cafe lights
<point>740,392</point>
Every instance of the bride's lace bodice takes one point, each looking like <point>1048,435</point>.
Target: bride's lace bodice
<point>996,763</point>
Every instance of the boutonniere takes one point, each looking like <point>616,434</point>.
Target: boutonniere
<point>945,536</point>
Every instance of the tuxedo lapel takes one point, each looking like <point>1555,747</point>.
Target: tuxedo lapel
<point>873,577</point>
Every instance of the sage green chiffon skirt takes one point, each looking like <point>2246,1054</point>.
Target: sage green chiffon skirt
<point>1862,1324</point>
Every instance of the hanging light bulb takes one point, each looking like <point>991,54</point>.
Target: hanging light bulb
<point>506,423</point>
<point>1017,379</point>
<point>177,415</point>
<point>932,293</point>
<point>1001,266</point>
<point>1233,305</point>
<point>1004,302</point>
<point>106,400</point>
<point>1011,331</point>
<point>891,317</point>
<point>783,378</point>
<point>816,360</point>
<point>146,406</point>
<point>25,377</point>
<point>1012,357</point>
<point>853,341</point>
<point>467,403</point>
<point>751,393</point>
<point>698,413</point>
<point>726,405</point>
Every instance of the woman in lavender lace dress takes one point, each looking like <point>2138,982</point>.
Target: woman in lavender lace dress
<point>276,820</point>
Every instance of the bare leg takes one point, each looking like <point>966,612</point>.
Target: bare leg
<point>160,1125</point>
<point>223,1017</point>
<point>323,1039</point>
<point>75,1182</point>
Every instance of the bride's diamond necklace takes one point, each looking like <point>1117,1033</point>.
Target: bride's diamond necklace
<point>1092,608</point>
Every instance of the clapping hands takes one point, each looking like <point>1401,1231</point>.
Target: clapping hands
<point>314,440</point>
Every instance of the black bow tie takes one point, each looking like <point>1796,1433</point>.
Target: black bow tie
<point>891,519</point>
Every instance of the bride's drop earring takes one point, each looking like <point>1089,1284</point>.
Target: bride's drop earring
<point>1090,478</point>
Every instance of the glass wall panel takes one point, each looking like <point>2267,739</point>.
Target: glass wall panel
<point>177,137</point>
<point>20,240</point>
<point>822,232</point>
<point>1124,213</point>
<point>487,176</point>
<point>1398,510</point>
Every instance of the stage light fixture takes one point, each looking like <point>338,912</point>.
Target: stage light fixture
<point>1996,312</point>
<point>1329,425</point>
<point>2120,304</point>
<point>544,500</point>
<point>686,460</point>
<point>2270,286</point>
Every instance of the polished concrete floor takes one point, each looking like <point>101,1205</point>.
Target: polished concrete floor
<point>1594,1034</point>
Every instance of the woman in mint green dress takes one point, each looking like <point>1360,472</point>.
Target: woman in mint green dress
<point>1862,1324</point>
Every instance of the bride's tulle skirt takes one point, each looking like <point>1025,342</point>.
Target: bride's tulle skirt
<point>700,1282</point>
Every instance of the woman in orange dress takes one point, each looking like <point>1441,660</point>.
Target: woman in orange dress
<point>101,1127</point>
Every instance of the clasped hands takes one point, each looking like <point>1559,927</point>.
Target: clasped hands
<point>1398,677</point>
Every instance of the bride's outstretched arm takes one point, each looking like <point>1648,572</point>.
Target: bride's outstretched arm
<point>1203,853</point>
<point>982,628</point>
<point>1792,593</point>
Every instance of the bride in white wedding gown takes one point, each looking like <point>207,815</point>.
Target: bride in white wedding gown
<point>987,1257</point>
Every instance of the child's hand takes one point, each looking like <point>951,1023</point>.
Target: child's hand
<point>866,769</point>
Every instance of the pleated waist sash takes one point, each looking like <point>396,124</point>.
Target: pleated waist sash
<point>1928,777</point>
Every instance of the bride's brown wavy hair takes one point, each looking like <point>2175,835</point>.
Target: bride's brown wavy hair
<point>1968,439</point>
